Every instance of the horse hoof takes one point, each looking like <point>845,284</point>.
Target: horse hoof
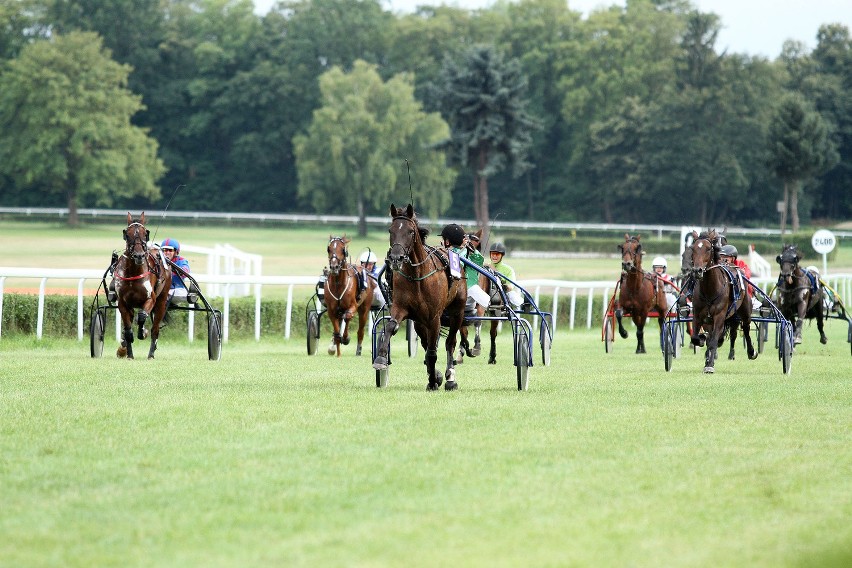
<point>344,341</point>
<point>475,352</point>
<point>823,340</point>
<point>439,378</point>
<point>492,361</point>
<point>380,363</point>
<point>432,387</point>
<point>640,351</point>
<point>451,385</point>
<point>797,341</point>
<point>459,361</point>
<point>358,351</point>
<point>121,352</point>
<point>623,334</point>
<point>332,349</point>
<point>709,370</point>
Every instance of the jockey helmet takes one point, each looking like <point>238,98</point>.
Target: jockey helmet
<point>498,247</point>
<point>454,234</point>
<point>368,257</point>
<point>172,244</point>
<point>813,269</point>
<point>729,250</point>
<point>659,261</point>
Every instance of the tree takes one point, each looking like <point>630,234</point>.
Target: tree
<point>352,155</point>
<point>483,98</point>
<point>65,121</point>
<point>799,148</point>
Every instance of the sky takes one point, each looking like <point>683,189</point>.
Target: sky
<point>754,27</point>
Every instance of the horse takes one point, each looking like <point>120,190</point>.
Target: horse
<point>142,282</point>
<point>719,297</point>
<point>343,295</point>
<point>799,294</point>
<point>425,292</point>
<point>640,291</point>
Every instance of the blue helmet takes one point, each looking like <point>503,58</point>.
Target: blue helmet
<point>171,243</point>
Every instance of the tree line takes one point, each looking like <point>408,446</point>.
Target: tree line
<point>524,110</point>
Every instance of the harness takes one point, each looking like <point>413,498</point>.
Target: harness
<point>431,253</point>
<point>734,279</point>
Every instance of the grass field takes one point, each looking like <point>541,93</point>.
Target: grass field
<point>273,458</point>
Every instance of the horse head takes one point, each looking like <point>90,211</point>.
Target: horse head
<point>474,240</point>
<point>631,253</point>
<point>789,262</point>
<point>338,252</point>
<point>136,239</point>
<point>705,253</point>
<point>406,236</point>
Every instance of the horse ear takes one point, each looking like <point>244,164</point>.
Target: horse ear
<point>778,259</point>
<point>626,236</point>
<point>129,218</point>
<point>393,210</point>
<point>124,234</point>
<point>638,237</point>
<point>410,210</point>
<point>147,235</point>
<point>142,218</point>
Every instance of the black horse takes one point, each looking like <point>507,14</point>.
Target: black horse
<point>799,293</point>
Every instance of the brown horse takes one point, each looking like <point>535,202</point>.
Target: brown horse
<point>718,299</point>
<point>424,292</point>
<point>641,292</point>
<point>797,298</point>
<point>142,281</point>
<point>343,296</point>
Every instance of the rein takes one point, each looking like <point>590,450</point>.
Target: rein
<point>406,257</point>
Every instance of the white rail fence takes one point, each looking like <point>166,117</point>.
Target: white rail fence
<point>842,283</point>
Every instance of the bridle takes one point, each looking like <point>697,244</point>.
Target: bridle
<point>790,259</point>
<point>134,240</point>
<point>631,265</point>
<point>700,271</point>
<point>334,262</point>
<point>397,261</point>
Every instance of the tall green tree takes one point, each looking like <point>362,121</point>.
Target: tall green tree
<point>483,97</point>
<point>352,157</point>
<point>800,148</point>
<point>65,125</point>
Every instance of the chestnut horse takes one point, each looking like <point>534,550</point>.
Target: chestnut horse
<point>718,299</point>
<point>342,297</point>
<point>797,299</point>
<point>424,292</point>
<point>142,281</point>
<point>641,292</point>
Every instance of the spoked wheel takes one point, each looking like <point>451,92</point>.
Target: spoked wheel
<point>214,336</point>
<point>523,357</point>
<point>411,338</point>
<point>609,333</point>
<point>786,350</point>
<point>669,334</point>
<point>545,339</point>
<point>313,333</point>
<point>677,338</point>
<point>849,335</point>
<point>96,334</point>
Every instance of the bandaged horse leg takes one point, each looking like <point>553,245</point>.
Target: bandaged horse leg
<point>344,324</point>
<point>434,377</point>
<point>391,326</point>
<point>141,317</point>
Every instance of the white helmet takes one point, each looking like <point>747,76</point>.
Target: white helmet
<point>813,269</point>
<point>659,261</point>
<point>368,256</point>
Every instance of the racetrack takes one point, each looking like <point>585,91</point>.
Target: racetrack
<point>272,457</point>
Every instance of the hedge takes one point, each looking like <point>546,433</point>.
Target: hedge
<point>60,316</point>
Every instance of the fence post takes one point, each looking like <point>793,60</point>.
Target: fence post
<point>555,306</point>
<point>589,309</point>
<point>80,309</point>
<point>289,312</point>
<point>2,284</point>
<point>573,306</point>
<point>40,316</point>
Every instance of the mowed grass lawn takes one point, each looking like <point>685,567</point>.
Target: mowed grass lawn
<point>270,457</point>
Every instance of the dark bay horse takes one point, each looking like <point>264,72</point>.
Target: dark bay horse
<point>342,297</point>
<point>641,292</point>
<point>142,282</point>
<point>423,291</point>
<point>719,300</point>
<point>798,296</point>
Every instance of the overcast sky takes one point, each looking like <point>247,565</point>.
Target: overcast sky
<point>755,27</point>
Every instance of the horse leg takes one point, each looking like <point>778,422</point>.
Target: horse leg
<point>383,346</point>
<point>363,315</point>
<point>718,327</point>
<point>492,355</point>
<point>450,345</point>
<point>619,313</point>
<point>731,353</point>
<point>464,346</point>
<point>347,316</point>
<point>639,322</point>
<point>159,312</point>
<point>477,344</point>
<point>430,360</point>
<point>819,317</point>
<point>141,317</point>
<point>334,346</point>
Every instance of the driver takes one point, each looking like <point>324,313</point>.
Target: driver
<point>179,292</point>
<point>370,273</point>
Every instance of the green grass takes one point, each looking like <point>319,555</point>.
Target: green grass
<point>272,457</point>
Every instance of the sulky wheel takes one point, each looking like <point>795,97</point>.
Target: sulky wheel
<point>609,333</point>
<point>313,330</point>
<point>96,334</point>
<point>214,336</point>
<point>411,338</point>
<point>669,337</point>
<point>762,335</point>
<point>523,357</point>
<point>382,374</point>
<point>786,350</point>
<point>546,340</point>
